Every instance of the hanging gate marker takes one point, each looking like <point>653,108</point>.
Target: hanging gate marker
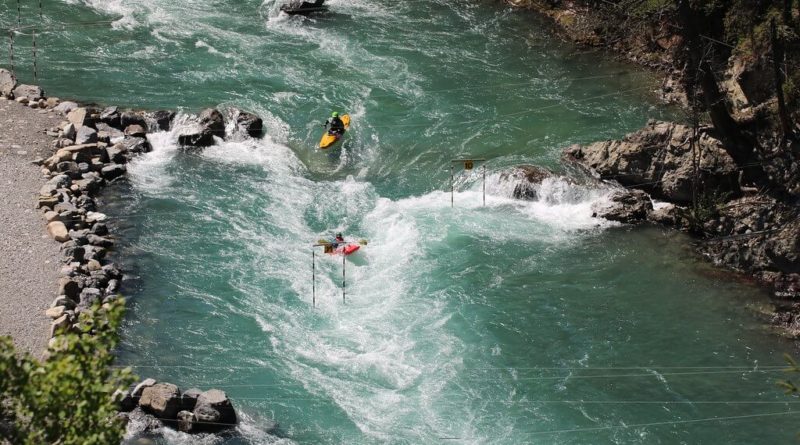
<point>469,164</point>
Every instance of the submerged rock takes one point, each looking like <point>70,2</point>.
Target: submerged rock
<point>527,178</point>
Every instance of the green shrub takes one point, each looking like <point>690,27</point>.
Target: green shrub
<point>67,399</point>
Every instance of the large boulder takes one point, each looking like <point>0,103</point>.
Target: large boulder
<point>527,180</point>
<point>7,83</point>
<point>201,132</point>
<point>163,400</point>
<point>658,160</point>
<point>214,411</point>
<point>250,124</point>
<point>31,92</point>
<point>625,206</point>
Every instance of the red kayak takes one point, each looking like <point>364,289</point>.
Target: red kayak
<point>347,249</point>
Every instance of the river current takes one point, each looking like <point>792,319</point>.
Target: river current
<point>513,322</point>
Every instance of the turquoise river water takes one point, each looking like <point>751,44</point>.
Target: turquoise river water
<point>517,322</point>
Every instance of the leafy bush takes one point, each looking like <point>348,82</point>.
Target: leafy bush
<point>67,399</point>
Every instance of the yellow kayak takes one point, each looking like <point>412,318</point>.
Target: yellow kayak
<point>328,140</point>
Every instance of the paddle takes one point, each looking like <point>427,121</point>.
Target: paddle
<point>324,242</point>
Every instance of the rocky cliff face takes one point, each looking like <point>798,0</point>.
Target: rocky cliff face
<point>662,160</point>
<point>740,229</point>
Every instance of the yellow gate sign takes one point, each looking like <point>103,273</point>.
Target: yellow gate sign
<point>468,165</point>
<point>328,248</point>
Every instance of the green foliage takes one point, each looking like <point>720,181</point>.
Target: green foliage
<point>67,399</point>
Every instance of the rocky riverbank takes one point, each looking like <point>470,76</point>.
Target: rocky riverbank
<point>739,227</point>
<point>733,179</point>
<point>89,149</point>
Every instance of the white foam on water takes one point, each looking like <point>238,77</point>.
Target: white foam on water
<point>112,7</point>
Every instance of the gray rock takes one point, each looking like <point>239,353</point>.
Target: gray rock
<point>189,398</point>
<point>56,182</point>
<point>59,325</point>
<point>111,117</point>
<point>79,236</point>
<point>89,297</point>
<point>129,118</point>
<point>80,117</point>
<point>625,206</point>
<point>99,241</point>
<point>136,131</point>
<point>113,133</point>
<point>86,135</point>
<point>30,92</point>
<point>527,179</point>
<point>250,124</point>
<point>146,383</point>
<point>163,400</point>
<point>99,229</point>
<point>162,119</point>
<point>658,160</point>
<point>201,133</point>
<point>63,301</point>
<point>69,289</point>
<point>66,107</point>
<point>69,131</point>
<point>7,83</point>
<point>116,154</point>
<point>113,171</point>
<point>185,421</point>
<point>69,168</point>
<point>113,287</point>
<point>58,231</point>
<point>214,411</point>
<point>93,252</point>
<point>139,422</point>
<point>136,145</point>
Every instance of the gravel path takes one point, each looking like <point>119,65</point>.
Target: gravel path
<point>28,257</point>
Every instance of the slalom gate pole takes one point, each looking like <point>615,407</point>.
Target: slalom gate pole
<point>313,278</point>
<point>344,280</point>
<point>452,186</point>
<point>484,184</point>
<point>19,14</point>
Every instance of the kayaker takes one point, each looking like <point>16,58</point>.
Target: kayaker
<point>336,126</point>
<point>337,240</point>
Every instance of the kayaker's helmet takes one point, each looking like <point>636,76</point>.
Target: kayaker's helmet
<point>338,235</point>
<point>335,114</point>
